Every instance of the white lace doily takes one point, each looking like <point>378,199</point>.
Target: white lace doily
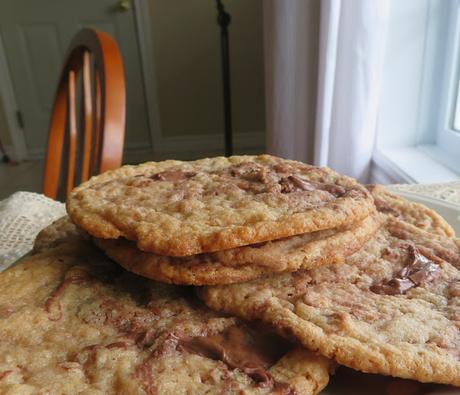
<point>449,191</point>
<point>22,216</point>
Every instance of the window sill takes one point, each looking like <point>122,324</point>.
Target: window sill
<point>409,165</point>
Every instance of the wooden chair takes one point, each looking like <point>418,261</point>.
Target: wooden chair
<point>73,157</point>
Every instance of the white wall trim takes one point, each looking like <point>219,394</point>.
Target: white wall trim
<point>142,17</point>
<point>384,171</point>
<point>17,150</point>
<point>410,165</point>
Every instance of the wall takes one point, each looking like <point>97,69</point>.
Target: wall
<point>186,41</point>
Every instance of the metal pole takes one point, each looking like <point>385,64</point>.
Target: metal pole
<point>223,20</point>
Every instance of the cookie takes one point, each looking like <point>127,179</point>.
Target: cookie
<point>244,263</point>
<point>60,231</point>
<point>392,308</point>
<point>416,214</point>
<point>71,321</point>
<point>184,208</point>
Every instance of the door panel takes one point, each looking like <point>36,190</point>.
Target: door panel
<point>36,35</point>
<point>37,40</point>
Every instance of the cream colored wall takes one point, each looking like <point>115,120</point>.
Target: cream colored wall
<point>186,41</point>
<point>4,135</point>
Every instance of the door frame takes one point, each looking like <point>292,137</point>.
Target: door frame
<point>17,149</point>
<point>142,18</point>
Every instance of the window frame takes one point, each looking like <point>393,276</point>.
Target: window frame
<point>430,132</point>
<point>448,139</point>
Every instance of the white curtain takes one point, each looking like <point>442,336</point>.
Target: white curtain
<point>343,90</point>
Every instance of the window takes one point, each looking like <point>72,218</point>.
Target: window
<point>418,131</point>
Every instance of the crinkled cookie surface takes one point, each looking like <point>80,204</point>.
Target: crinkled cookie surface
<point>414,213</point>
<point>183,208</point>
<point>73,322</point>
<point>392,308</point>
<point>244,263</point>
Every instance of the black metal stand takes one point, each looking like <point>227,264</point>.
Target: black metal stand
<point>223,20</point>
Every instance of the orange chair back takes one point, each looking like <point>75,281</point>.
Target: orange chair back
<point>77,151</point>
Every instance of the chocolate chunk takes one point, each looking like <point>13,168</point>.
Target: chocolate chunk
<point>302,184</point>
<point>286,185</point>
<point>243,349</point>
<point>294,183</point>
<point>5,373</point>
<point>396,286</point>
<point>419,270</point>
<point>172,175</point>
<point>72,279</point>
<point>283,168</point>
<point>385,208</point>
<point>334,189</point>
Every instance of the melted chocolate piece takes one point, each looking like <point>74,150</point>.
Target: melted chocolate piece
<point>396,286</point>
<point>172,175</point>
<point>302,184</point>
<point>419,270</point>
<point>244,349</point>
<point>385,208</point>
<point>294,183</point>
<point>144,374</point>
<point>5,373</point>
<point>280,178</point>
<point>72,279</point>
<point>334,189</point>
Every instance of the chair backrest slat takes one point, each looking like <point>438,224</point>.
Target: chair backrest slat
<point>97,123</point>
<point>55,142</point>
<point>72,131</point>
<point>96,58</point>
<point>88,116</point>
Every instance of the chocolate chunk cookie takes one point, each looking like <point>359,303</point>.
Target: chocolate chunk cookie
<point>392,308</point>
<point>71,321</point>
<point>244,263</point>
<point>183,208</point>
<point>414,213</point>
<point>60,231</point>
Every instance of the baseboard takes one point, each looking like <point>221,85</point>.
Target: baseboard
<point>9,151</point>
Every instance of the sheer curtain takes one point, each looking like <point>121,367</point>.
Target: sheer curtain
<point>328,117</point>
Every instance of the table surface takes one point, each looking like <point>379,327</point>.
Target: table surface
<point>24,214</point>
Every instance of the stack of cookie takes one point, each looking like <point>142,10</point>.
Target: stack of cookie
<point>302,270</point>
<point>223,220</point>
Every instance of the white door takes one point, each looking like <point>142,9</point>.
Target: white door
<point>35,35</point>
